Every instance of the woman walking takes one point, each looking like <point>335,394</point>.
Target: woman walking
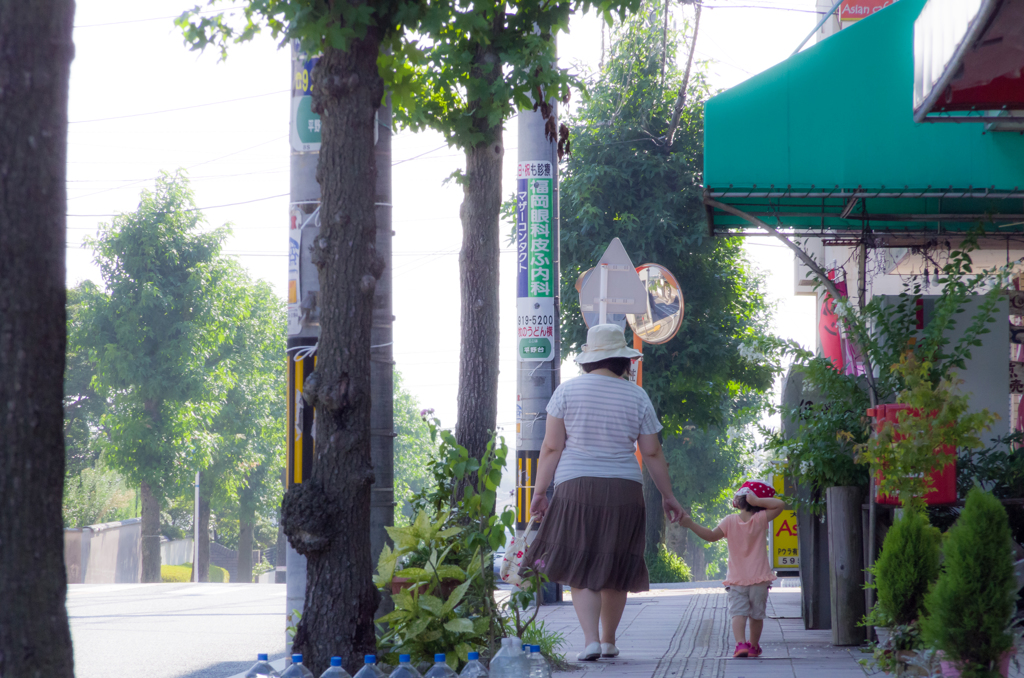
<point>592,535</point>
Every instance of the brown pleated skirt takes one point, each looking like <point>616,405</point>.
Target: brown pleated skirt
<point>592,536</point>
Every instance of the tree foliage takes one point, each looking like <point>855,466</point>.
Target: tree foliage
<point>414,450</point>
<point>624,180</point>
<point>157,335</point>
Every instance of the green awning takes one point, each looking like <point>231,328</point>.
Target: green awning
<point>826,141</point>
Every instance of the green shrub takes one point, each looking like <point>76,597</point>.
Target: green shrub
<point>969,609</point>
<point>183,574</point>
<point>907,567</point>
<point>175,574</point>
<point>666,567</point>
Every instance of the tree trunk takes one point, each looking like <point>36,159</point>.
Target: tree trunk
<point>478,282</point>
<point>244,567</point>
<point>655,532</point>
<point>203,552</point>
<point>327,517</point>
<point>35,58</point>
<point>150,535</point>
<point>696,557</point>
<point>246,519</point>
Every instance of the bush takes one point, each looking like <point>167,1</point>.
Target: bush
<point>666,567</point>
<point>178,574</point>
<point>96,495</point>
<point>907,567</point>
<point>969,609</point>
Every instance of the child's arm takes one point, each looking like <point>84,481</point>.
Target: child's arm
<point>701,531</point>
<point>772,506</point>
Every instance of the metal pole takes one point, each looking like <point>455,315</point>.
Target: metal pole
<point>603,308</point>
<point>195,533</point>
<point>382,418</point>
<point>537,298</point>
<point>820,24</point>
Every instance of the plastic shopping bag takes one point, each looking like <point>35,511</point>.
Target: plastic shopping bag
<point>515,551</point>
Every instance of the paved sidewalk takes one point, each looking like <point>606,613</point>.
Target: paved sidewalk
<point>686,633</point>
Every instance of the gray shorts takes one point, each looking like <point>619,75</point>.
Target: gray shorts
<point>748,601</point>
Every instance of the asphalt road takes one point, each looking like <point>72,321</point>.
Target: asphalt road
<point>174,630</point>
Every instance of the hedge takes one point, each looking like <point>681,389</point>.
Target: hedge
<point>183,574</point>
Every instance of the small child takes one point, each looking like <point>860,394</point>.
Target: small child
<point>750,574</point>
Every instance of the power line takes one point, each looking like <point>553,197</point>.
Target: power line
<point>183,108</point>
<point>190,209</point>
<point>784,9</point>
<point>205,162</point>
<point>156,18</point>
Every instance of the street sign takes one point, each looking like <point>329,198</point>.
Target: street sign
<point>536,274</point>
<point>614,286</point>
<point>664,314</point>
<point>590,318</point>
<point>305,124</point>
<point>785,549</point>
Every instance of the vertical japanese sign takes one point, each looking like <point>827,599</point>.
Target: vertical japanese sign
<point>294,283</point>
<point>785,550</point>
<point>535,257</point>
<point>305,127</point>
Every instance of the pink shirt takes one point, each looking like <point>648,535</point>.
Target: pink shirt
<point>748,549</point>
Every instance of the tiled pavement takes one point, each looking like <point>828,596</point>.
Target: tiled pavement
<point>685,633</point>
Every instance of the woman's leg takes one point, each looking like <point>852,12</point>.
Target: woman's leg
<point>587,604</point>
<point>612,604</point>
<point>739,628</point>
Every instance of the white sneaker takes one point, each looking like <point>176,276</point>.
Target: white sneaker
<point>590,654</point>
<point>608,650</point>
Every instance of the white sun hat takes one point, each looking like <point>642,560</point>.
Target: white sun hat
<point>603,342</point>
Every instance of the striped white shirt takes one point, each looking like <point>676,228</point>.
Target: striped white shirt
<point>603,417</point>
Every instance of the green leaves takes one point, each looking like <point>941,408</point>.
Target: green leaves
<point>939,418</point>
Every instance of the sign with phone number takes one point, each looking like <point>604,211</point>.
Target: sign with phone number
<point>535,325</point>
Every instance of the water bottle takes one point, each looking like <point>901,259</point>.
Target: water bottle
<point>539,667</point>
<point>440,669</point>
<point>262,668</point>
<point>369,669</point>
<point>522,658</point>
<point>473,668</point>
<point>405,668</point>
<point>503,662</point>
<point>335,670</point>
<point>297,670</point>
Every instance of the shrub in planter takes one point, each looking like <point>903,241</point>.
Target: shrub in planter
<point>969,609</point>
<point>907,567</point>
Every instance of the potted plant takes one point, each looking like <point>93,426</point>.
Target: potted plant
<point>906,568</point>
<point>970,607</point>
<point>904,455</point>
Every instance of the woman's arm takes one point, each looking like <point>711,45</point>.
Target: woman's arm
<point>654,457</point>
<point>772,506</point>
<point>550,453</point>
<point>701,531</point>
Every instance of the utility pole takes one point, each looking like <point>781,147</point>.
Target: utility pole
<point>382,364</point>
<point>303,306</point>
<point>537,299</point>
<point>304,321</point>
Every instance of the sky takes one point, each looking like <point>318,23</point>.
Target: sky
<point>141,103</point>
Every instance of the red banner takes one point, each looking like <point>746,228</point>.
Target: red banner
<point>854,10</point>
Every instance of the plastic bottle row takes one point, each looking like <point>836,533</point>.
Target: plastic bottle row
<point>513,660</point>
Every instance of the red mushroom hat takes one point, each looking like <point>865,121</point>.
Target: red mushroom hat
<point>756,487</point>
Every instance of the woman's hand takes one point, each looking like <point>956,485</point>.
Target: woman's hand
<point>539,505</point>
<point>673,509</point>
